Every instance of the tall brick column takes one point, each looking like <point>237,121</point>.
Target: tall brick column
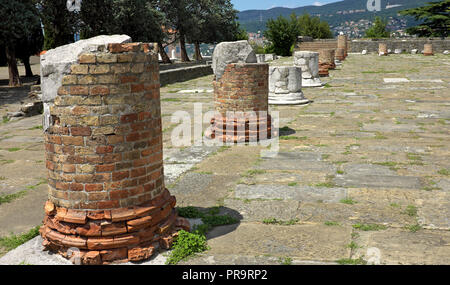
<point>243,90</point>
<point>382,49</point>
<point>428,50</point>
<point>326,61</point>
<point>105,163</point>
<point>342,44</point>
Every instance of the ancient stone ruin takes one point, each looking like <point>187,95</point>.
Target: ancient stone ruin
<point>308,61</point>
<point>326,61</point>
<point>241,88</point>
<point>103,137</point>
<point>285,86</point>
<point>342,44</point>
<point>428,50</point>
<point>382,49</point>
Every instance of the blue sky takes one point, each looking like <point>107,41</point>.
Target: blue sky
<point>242,5</point>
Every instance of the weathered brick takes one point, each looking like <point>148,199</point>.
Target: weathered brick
<point>79,69</point>
<point>99,90</point>
<point>87,58</point>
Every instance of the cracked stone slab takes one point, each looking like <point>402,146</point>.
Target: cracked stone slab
<point>232,259</point>
<point>389,127</point>
<point>173,171</point>
<point>368,169</point>
<point>396,80</point>
<point>296,193</point>
<point>258,210</point>
<point>191,155</point>
<point>303,242</point>
<point>192,184</point>
<point>399,246</point>
<point>434,212</point>
<point>378,181</point>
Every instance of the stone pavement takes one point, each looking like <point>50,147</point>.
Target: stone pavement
<point>363,171</point>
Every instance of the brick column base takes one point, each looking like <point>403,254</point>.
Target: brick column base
<point>112,236</point>
<point>240,130</point>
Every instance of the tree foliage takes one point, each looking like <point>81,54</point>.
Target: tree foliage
<point>283,32</point>
<point>60,25</point>
<point>435,17</point>
<point>378,30</point>
<point>19,21</point>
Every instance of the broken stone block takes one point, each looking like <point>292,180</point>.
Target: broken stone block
<point>428,50</point>
<point>285,86</point>
<point>308,61</point>
<point>414,51</point>
<point>261,58</point>
<point>231,52</point>
<point>397,51</point>
<point>364,52</point>
<point>382,49</point>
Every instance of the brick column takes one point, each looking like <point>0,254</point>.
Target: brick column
<point>342,44</point>
<point>382,49</point>
<point>326,61</point>
<point>105,162</point>
<point>428,50</point>
<point>243,90</point>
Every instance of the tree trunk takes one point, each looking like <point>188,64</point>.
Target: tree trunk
<point>198,53</point>
<point>26,63</point>
<point>184,56</point>
<point>14,77</point>
<point>162,52</point>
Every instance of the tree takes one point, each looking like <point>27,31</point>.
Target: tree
<point>212,21</point>
<point>21,18</point>
<point>179,17</point>
<point>30,45</point>
<point>60,25</point>
<point>312,27</point>
<point>282,33</point>
<point>97,18</point>
<point>378,30</point>
<point>435,17</point>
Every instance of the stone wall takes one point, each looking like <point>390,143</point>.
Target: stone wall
<point>183,74</point>
<point>439,45</point>
<point>359,45</point>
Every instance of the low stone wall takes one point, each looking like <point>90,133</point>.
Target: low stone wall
<point>358,45</point>
<point>184,74</point>
<point>407,45</point>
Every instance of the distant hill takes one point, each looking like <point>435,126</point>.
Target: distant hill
<point>334,13</point>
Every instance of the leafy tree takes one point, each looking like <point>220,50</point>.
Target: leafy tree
<point>30,45</point>
<point>312,27</point>
<point>212,21</point>
<point>18,19</point>
<point>282,33</point>
<point>378,30</point>
<point>60,25</point>
<point>241,33</point>
<point>179,17</point>
<point>435,17</point>
<point>97,18</point>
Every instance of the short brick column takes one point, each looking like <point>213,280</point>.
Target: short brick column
<point>428,50</point>
<point>340,54</point>
<point>105,162</point>
<point>241,99</point>
<point>326,61</point>
<point>342,44</point>
<point>382,49</point>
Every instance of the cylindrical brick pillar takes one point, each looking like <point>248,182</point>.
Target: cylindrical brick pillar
<point>382,49</point>
<point>241,99</point>
<point>326,61</point>
<point>342,44</point>
<point>340,54</point>
<point>105,162</point>
<point>428,50</point>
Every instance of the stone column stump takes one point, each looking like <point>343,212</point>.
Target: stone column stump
<point>308,61</point>
<point>104,155</point>
<point>428,50</point>
<point>285,86</point>
<point>326,61</point>
<point>340,54</point>
<point>382,49</point>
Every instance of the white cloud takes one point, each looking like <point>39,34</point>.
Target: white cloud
<point>317,3</point>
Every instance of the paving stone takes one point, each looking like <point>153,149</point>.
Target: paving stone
<point>192,184</point>
<point>378,181</point>
<point>296,193</point>
<point>303,242</point>
<point>399,246</point>
<point>389,127</point>
<point>258,210</point>
<point>233,259</point>
<point>434,212</point>
<point>368,169</point>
